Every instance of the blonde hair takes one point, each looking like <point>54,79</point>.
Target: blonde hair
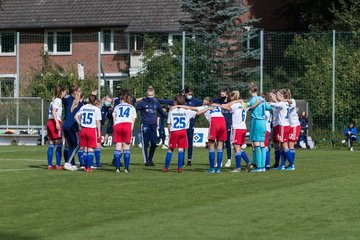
<point>208,100</point>
<point>235,95</point>
<point>76,101</point>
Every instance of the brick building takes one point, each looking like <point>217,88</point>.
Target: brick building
<point>68,31</point>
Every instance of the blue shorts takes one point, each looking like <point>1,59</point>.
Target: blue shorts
<point>257,130</point>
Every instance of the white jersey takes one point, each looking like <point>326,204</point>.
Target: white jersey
<point>89,114</point>
<point>55,104</point>
<point>211,113</point>
<point>268,115</point>
<point>179,119</point>
<point>238,116</point>
<point>124,112</point>
<point>283,113</point>
<point>275,120</point>
<point>294,117</point>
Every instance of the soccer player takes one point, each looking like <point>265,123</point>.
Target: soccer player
<point>54,127</point>
<point>258,106</point>
<point>71,130</point>
<point>161,129</point>
<point>268,114</point>
<point>106,113</point>
<point>178,121</point>
<point>283,127</point>
<point>192,102</point>
<point>217,132</point>
<point>89,117</point>
<point>239,112</point>
<point>148,108</point>
<point>295,129</point>
<point>275,129</point>
<point>224,99</point>
<point>124,116</point>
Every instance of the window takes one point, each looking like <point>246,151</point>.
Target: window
<point>7,85</point>
<point>7,43</point>
<point>137,42</point>
<point>58,42</point>
<point>115,41</point>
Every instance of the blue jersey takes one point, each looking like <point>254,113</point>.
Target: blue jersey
<point>149,107</point>
<point>70,122</point>
<point>259,111</point>
<point>67,101</point>
<point>106,113</point>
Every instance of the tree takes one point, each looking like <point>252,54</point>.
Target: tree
<point>346,15</point>
<point>218,24</point>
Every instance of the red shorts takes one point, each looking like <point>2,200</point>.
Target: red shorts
<point>217,130</point>
<point>179,139</point>
<point>267,136</point>
<point>98,140</point>
<point>283,133</point>
<point>294,133</point>
<point>122,133</point>
<point>238,136</point>
<point>53,133</point>
<point>88,137</point>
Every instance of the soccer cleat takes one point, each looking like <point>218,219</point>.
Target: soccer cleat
<point>256,170</point>
<point>275,165</point>
<point>228,163</point>
<point>59,167</point>
<point>236,170</point>
<point>188,163</point>
<point>165,169</point>
<point>164,147</point>
<point>180,170</point>
<point>250,167</point>
<point>126,170</point>
<point>118,170</point>
<point>88,170</point>
<point>351,149</point>
<point>217,165</point>
<point>290,168</point>
<point>280,168</point>
<point>93,167</point>
<point>218,170</point>
<point>50,167</point>
<point>148,164</point>
<point>82,167</point>
<point>68,166</point>
<point>211,170</point>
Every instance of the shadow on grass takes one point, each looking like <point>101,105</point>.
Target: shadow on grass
<point>11,236</point>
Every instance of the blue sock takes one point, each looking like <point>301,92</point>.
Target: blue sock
<point>81,157</point>
<point>277,154</point>
<point>97,156</point>
<point>117,157</point>
<point>58,154</point>
<point>267,162</point>
<point>168,159</point>
<point>90,158</point>
<point>127,158</point>
<point>66,154</point>
<point>85,157</point>
<point>238,159</point>
<point>50,154</point>
<point>283,158</point>
<point>263,157</point>
<point>245,157</point>
<point>258,156</point>
<point>180,159</point>
<point>212,158</point>
<point>292,158</point>
<point>219,158</point>
<point>287,155</point>
<point>253,156</point>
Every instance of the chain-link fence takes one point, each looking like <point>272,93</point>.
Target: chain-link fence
<point>322,69</point>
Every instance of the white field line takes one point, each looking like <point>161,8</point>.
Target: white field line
<point>18,169</point>
<point>9,151</point>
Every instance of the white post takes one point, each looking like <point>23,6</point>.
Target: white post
<point>261,60</point>
<point>17,80</point>
<point>183,61</point>
<point>42,123</point>
<point>99,65</point>
<point>333,79</point>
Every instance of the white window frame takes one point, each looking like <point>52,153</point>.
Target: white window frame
<point>7,76</point>
<point>112,51</point>
<point>55,52</point>
<point>10,53</point>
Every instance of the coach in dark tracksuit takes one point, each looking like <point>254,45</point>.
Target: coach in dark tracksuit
<point>149,107</point>
<point>224,99</point>
<point>193,102</point>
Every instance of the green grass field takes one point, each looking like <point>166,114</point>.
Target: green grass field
<point>320,200</point>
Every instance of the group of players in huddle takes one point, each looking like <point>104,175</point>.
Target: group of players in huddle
<point>272,115</point>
